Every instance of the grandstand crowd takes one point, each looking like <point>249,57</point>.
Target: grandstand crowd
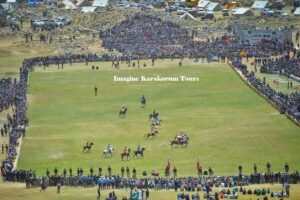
<point>228,184</point>
<point>284,65</point>
<point>136,38</point>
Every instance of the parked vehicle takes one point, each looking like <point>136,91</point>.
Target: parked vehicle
<point>225,12</point>
<point>62,21</point>
<point>209,15</point>
<point>201,12</point>
<point>180,12</point>
<point>39,22</point>
<point>279,13</point>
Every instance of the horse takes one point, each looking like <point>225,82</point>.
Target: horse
<point>153,115</point>
<point>122,112</point>
<point>107,151</point>
<point>87,147</point>
<point>151,134</point>
<point>156,121</point>
<point>179,142</point>
<point>141,152</point>
<point>126,154</point>
<point>182,136</point>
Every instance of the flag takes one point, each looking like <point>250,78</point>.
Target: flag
<point>242,52</point>
<point>168,165</point>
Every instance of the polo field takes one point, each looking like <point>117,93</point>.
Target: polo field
<point>228,124</point>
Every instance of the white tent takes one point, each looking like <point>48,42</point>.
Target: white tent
<point>88,9</point>
<point>187,16</point>
<point>242,12</point>
<point>69,5</point>
<point>5,6</point>
<point>297,12</point>
<point>213,6</point>
<point>260,4</point>
<point>11,3</point>
<point>100,3</point>
<point>203,4</point>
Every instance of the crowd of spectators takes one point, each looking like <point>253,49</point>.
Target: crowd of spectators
<point>285,103</point>
<point>14,96</point>
<point>285,65</point>
<point>227,184</point>
<point>145,37</point>
<point>7,92</point>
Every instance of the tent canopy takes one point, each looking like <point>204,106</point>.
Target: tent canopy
<point>231,5</point>
<point>187,16</point>
<point>69,5</point>
<point>243,11</point>
<point>100,3</point>
<point>203,3</point>
<point>297,11</point>
<point>260,4</point>
<point>212,6</point>
<point>88,9</point>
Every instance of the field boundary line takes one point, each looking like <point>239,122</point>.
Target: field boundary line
<point>243,78</point>
<point>18,153</point>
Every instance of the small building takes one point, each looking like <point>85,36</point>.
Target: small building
<point>69,5</point>
<point>242,12</point>
<point>203,4</point>
<point>187,16</point>
<point>11,4</point>
<point>254,35</point>
<point>231,5</point>
<point>213,6</point>
<point>100,3</point>
<point>260,5</point>
<point>297,12</point>
<point>88,9</point>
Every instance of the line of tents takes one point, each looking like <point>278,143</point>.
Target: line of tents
<point>201,4</point>
<point>243,11</point>
<point>66,4</point>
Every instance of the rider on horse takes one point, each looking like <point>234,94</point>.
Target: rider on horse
<point>153,113</point>
<point>182,137</point>
<point>139,148</point>
<point>152,128</point>
<point>125,150</point>
<point>108,147</point>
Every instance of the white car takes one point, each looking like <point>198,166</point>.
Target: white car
<point>39,22</point>
<point>62,21</point>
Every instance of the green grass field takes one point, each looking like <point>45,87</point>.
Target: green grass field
<point>228,124</point>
